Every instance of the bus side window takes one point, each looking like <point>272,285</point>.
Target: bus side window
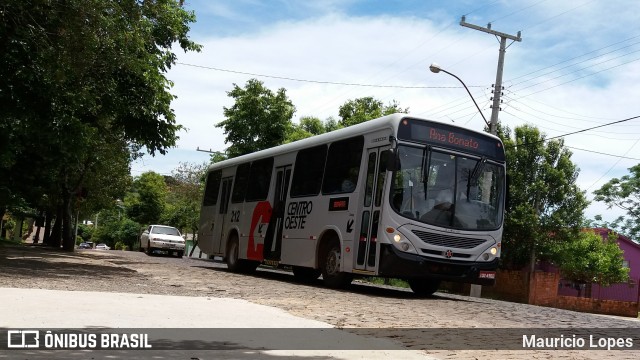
<point>259,179</point>
<point>212,189</point>
<point>240,184</point>
<point>308,171</point>
<point>343,166</point>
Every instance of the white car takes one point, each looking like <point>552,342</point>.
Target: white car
<point>102,247</point>
<point>161,237</point>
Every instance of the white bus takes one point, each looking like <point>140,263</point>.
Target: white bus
<point>397,197</point>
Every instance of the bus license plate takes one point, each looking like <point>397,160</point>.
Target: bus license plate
<point>487,275</point>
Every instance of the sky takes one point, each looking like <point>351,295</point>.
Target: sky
<point>577,67</point>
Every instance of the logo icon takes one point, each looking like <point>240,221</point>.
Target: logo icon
<point>448,254</point>
<point>23,339</point>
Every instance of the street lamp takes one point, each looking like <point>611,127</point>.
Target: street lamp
<point>435,68</point>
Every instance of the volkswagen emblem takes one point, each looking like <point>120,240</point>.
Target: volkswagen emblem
<point>448,254</point>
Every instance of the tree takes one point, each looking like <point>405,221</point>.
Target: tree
<point>366,108</point>
<point>79,75</point>
<point>185,196</point>
<point>309,126</point>
<point>625,194</point>
<point>147,202</point>
<point>591,260</point>
<point>259,119</point>
<point>546,205</point>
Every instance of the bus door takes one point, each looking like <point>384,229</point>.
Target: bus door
<point>368,248</point>
<point>219,225</point>
<point>273,237</point>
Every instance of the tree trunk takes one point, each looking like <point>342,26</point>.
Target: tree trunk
<point>68,242</point>
<point>55,239</point>
<point>47,227</point>
<point>3,231</point>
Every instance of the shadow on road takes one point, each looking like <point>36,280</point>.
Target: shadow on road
<point>357,287</point>
<point>47,263</point>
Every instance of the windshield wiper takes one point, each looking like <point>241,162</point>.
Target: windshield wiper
<point>426,160</point>
<point>475,174</point>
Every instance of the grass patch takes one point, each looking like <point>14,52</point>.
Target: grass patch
<point>10,242</point>
<point>387,281</point>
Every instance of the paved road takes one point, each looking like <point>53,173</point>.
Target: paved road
<point>379,311</point>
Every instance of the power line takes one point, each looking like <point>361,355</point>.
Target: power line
<point>580,69</point>
<point>577,132</point>
<point>603,153</point>
<point>577,57</point>
<point>322,81</point>
<point>517,11</point>
<point>578,78</point>
<point>612,166</point>
<point>568,126</point>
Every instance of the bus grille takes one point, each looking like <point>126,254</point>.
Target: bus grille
<point>448,241</point>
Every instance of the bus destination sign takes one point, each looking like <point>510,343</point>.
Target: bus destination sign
<point>451,137</point>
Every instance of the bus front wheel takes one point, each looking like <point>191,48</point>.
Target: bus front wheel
<point>330,266</point>
<point>424,287</point>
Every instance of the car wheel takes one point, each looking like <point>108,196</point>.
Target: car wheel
<point>180,254</point>
<point>149,249</point>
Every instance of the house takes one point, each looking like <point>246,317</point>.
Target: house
<point>628,291</point>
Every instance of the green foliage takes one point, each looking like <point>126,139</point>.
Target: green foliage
<point>147,201</point>
<point>84,233</point>
<point>624,193</point>
<point>310,126</point>
<point>259,119</point>
<point>114,229</point>
<point>588,259</point>
<point>363,109</point>
<point>120,246</point>
<point>83,88</point>
<point>545,205</point>
<point>387,281</point>
<point>217,157</point>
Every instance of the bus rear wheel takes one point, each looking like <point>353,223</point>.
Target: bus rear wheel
<point>234,263</point>
<point>330,266</point>
<point>305,274</point>
<point>424,287</point>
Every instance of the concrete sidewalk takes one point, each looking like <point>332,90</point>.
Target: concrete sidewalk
<point>54,309</point>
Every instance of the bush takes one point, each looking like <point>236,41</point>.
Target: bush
<point>85,233</point>
<point>121,246</point>
<point>114,230</point>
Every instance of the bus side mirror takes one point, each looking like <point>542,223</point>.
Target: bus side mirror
<point>393,160</point>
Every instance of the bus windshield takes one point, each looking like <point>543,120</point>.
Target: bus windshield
<point>448,189</point>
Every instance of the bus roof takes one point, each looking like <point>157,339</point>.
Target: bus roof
<point>390,121</point>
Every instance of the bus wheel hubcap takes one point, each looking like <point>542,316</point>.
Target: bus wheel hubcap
<point>333,261</point>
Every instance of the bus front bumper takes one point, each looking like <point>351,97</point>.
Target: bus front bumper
<point>396,264</point>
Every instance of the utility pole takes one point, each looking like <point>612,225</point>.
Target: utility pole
<point>497,87</point>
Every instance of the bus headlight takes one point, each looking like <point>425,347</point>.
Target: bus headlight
<point>399,241</point>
